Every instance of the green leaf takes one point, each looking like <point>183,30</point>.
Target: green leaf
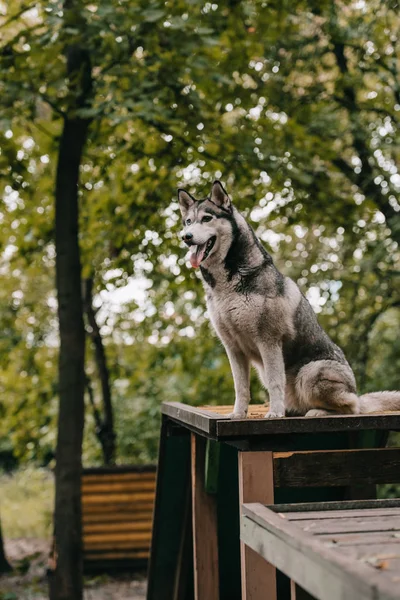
<point>153,15</point>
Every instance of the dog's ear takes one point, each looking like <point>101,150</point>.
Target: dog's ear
<point>219,196</point>
<point>185,201</point>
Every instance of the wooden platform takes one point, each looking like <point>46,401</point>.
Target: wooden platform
<point>209,465</point>
<point>214,423</point>
<point>347,550</point>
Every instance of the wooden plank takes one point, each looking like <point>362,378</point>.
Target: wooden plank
<point>116,537</point>
<point>321,571</point>
<point>100,479</point>
<point>336,505</point>
<point>350,525</point>
<point>116,555</point>
<point>173,482</point>
<point>185,556</point>
<point>256,484</point>
<point>117,545</point>
<point>118,498</point>
<point>371,553</point>
<point>205,526</point>
<point>341,514</point>
<point>226,428</point>
<point>125,526</point>
<point>119,470</point>
<point>355,539</point>
<point>112,508</point>
<point>195,418</point>
<point>124,487</point>
<point>336,467</point>
<point>211,467</point>
<point>128,516</point>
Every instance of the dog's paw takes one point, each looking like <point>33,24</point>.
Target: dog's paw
<point>275,414</point>
<point>236,416</point>
<point>317,412</point>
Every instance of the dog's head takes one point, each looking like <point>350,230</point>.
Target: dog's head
<point>207,225</point>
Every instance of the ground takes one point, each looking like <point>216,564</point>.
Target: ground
<point>28,581</point>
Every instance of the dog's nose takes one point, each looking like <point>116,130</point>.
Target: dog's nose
<point>187,237</point>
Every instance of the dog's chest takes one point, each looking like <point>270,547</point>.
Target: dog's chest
<point>234,316</point>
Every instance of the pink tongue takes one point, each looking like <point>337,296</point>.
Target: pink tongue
<point>197,255</point>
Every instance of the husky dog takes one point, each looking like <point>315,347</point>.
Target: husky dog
<point>263,319</point>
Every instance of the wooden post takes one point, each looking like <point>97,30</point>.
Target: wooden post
<point>205,540</point>
<point>256,484</point>
<point>297,592</point>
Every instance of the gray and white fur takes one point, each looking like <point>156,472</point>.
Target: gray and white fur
<point>264,320</point>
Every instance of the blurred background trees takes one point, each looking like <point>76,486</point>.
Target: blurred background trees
<point>294,105</point>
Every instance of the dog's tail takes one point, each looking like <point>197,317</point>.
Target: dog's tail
<point>379,402</point>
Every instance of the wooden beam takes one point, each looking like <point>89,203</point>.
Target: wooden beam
<point>212,467</point>
<point>226,428</point>
<point>205,537</point>
<point>256,485</point>
<point>192,417</point>
<point>336,467</point>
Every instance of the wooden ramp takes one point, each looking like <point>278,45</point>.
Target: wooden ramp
<point>342,550</point>
<point>117,511</point>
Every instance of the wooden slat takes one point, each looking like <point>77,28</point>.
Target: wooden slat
<point>372,553</point>
<point>256,484</point>
<point>335,505</point>
<point>90,483</point>
<point>335,514</point>
<point>116,555</point>
<point>117,527</point>
<point>115,536</point>
<point>204,515</point>
<point>113,507</point>
<point>354,539</point>
<point>130,516</point>
<point>336,467</point>
<point>350,525</point>
<point>112,488</point>
<point>118,498</point>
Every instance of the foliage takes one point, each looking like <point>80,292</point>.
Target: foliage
<point>27,503</point>
<point>294,104</point>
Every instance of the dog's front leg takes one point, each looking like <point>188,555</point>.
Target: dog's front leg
<point>240,366</point>
<point>274,379</point>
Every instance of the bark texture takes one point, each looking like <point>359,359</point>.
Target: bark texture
<point>105,424</point>
<point>5,566</point>
<point>66,579</point>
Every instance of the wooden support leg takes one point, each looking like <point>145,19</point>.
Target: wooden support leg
<point>297,593</point>
<point>205,540</point>
<point>256,484</point>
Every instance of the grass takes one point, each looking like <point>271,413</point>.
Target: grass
<point>26,503</point>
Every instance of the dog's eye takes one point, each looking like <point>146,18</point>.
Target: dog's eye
<point>206,219</point>
<point>188,221</point>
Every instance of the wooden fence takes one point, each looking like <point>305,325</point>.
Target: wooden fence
<point>117,511</point>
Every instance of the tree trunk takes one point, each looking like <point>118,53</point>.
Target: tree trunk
<point>66,581</point>
<point>5,566</point>
<point>105,428</point>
